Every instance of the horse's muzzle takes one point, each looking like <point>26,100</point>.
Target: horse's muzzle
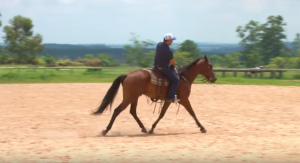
<point>212,80</point>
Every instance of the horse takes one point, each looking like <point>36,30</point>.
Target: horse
<point>140,82</point>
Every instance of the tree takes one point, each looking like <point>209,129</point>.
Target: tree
<point>107,60</point>
<point>190,47</point>
<point>271,43</point>
<point>263,40</point>
<point>89,56</point>
<point>253,58</point>
<point>20,40</point>
<point>280,62</point>
<point>0,20</point>
<point>136,55</point>
<point>231,60</point>
<point>296,44</point>
<point>49,59</point>
<point>183,58</point>
<point>250,35</point>
<point>216,60</point>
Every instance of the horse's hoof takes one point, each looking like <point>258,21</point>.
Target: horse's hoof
<point>144,131</point>
<point>150,132</point>
<point>203,130</point>
<point>104,132</point>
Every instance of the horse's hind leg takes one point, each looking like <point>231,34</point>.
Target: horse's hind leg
<point>117,111</point>
<point>133,113</point>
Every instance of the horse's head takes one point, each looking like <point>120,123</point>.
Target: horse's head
<point>206,69</point>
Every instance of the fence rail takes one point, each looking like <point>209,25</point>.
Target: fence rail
<point>249,72</point>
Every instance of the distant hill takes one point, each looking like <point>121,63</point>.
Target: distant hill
<point>74,51</point>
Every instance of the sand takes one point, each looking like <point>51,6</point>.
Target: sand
<point>52,123</point>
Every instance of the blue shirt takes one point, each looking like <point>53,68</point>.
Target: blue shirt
<point>163,55</point>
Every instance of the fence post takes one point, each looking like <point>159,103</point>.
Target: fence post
<point>280,74</point>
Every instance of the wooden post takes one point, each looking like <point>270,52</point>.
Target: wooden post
<point>272,74</point>
<point>280,74</point>
<point>234,73</point>
<point>255,74</point>
<point>223,73</point>
<point>261,74</point>
<point>245,74</point>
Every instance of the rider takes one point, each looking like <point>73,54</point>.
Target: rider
<point>165,62</point>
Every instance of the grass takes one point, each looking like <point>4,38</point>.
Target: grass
<point>15,76</point>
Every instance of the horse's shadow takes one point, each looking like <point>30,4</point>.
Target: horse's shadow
<point>147,135</point>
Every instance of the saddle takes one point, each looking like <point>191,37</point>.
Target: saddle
<point>160,80</point>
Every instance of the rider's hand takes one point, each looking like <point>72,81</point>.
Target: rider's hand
<point>172,61</point>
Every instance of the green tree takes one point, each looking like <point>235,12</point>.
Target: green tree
<point>182,58</point>
<point>49,59</point>
<point>20,40</point>
<point>253,58</point>
<point>4,57</point>
<point>89,56</point>
<point>250,36</point>
<point>264,41</point>
<point>0,20</point>
<point>280,62</point>
<point>292,62</point>
<point>136,55</point>
<point>231,60</point>
<point>190,47</point>
<point>216,60</point>
<point>271,43</point>
<point>296,44</point>
<point>107,60</point>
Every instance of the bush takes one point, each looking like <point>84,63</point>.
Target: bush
<point>10,75</point>
<point>271,66</point>
<point>68,62</point>
<point>297,76</point>
<point>94,62</point>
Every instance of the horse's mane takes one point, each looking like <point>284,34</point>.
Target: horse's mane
<point>185,68</point>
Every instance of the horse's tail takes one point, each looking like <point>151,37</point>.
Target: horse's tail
<point>110,95</point>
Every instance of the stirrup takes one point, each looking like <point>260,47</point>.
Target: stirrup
<point>173,100</point>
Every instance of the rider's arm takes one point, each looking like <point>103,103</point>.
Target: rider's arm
<point>172,60</point>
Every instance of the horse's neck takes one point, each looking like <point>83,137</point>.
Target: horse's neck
<point>191,74</point>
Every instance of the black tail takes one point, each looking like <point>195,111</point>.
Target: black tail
<point>110,95</point>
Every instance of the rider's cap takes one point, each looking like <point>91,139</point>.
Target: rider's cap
<point>169,36</point>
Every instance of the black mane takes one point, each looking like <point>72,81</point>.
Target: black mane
<point>183,69</point>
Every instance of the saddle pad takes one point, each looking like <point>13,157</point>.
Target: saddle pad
<point>154,79</point>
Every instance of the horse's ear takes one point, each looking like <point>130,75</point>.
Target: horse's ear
<point>205,58</point>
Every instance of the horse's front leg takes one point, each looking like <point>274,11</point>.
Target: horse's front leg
<point>161,115</point>
<point>188,107</point>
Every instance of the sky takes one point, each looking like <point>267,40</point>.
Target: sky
<point>113,21</point>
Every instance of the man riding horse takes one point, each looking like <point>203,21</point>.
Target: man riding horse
<point>165,63</point>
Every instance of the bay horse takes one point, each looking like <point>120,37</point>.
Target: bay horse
<point>139,82</point>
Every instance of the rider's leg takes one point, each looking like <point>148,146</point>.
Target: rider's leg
<point>171,75</point>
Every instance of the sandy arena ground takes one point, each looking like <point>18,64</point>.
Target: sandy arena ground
<point>52,123</point>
